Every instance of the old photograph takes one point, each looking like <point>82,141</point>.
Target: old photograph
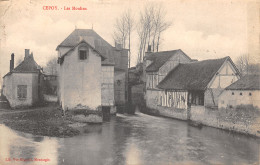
<point>130,82</point>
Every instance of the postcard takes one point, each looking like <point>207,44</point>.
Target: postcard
<point>129,82</point>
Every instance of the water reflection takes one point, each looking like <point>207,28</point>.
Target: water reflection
<point>138,139</point>
<point>21,148</point>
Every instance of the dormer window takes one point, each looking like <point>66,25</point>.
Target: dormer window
<point>83,52</point>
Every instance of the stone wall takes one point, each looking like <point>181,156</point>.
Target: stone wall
<point>225,119</point>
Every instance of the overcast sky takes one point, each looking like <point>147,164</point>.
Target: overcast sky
<point>202,29</point>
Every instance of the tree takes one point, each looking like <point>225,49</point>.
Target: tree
<point>129,27</point>
<point>242,64</point>
<point>151,25</point>
<point>244,67</point>
<point>124,27</point>
<point>51,66</point>
<point>160,25</point>
<point>120,31</point>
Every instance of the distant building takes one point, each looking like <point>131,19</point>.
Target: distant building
<point>186,84</point>
<point>245,91</point>
<point>50,88</point>
<point>21,86</point>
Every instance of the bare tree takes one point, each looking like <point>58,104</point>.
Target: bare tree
<point>51,66</point>
<point>120,32</point>
<point>129,19</point>
<point>151,25</point>
<point>124,27</point>
<point>160,25</point>
<point>144,30</point>
<point>242,64</point>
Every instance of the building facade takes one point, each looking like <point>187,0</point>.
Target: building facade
<point>80,77</point>
<point>21,85</point>
<point>245,91</point>
<point>113,67</point>
<point>190,86</point>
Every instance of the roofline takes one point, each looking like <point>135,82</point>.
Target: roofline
<point>9,73</point>
<point>227,59</point>
<point>240,89</point>
<point>156,70</point>
<point>64,40</point>
<point>81,29</point>
<point>167,76</point>
<point>83,41</point>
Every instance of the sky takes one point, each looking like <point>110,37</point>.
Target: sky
<point>202,29</point>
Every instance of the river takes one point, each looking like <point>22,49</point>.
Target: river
<point>132,140</point>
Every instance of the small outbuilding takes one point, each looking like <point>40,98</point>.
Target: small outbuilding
<point>21,86</point>
<point>245,91</point>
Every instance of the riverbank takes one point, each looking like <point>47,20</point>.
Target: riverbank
<point>243,119</point>
<point>44,121</point>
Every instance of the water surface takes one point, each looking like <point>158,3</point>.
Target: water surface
<point>135,140</point>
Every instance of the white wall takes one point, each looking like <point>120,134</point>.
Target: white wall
<point>227,99</point>
<point>80,81</point>
<point>226,76</point>
<point>11,83</point>
<point>107,90</point>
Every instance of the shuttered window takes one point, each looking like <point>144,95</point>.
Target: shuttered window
<point>22,91</point>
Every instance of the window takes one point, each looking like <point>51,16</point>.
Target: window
<point>241,93</point>
<point>83,51</point>
<point>196,98</point>
<point>250,94</point>
<point>232,93</point>
<point>22,91</point>
<point>82,54</point>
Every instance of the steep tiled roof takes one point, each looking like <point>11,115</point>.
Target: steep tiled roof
<point>248,82</point>
<point>101,45</point>
<point>83,41</point>
<point>159,58</point>
<point>28,65</point>
<point>192,76</point>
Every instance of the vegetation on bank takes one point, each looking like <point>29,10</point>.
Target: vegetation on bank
<point>47,121</point>
<point>246,114</point>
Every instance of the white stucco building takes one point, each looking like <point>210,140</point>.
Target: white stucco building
<point>21,85</point>
<point>245,91</point>
<point>80,76</point>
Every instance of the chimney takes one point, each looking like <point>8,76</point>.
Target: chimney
<point>12,62</point>
<point>27,53</point>
<point>149,51</point>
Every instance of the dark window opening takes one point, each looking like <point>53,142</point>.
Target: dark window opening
<point>82,54</point>
<point>232,93</point>
<point>241,94</point>
<point>250,94</point>
<point>22,91</point>
<point>196,98</point>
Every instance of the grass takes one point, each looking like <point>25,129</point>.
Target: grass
<point>241,113</point>
<point>47,121</point>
